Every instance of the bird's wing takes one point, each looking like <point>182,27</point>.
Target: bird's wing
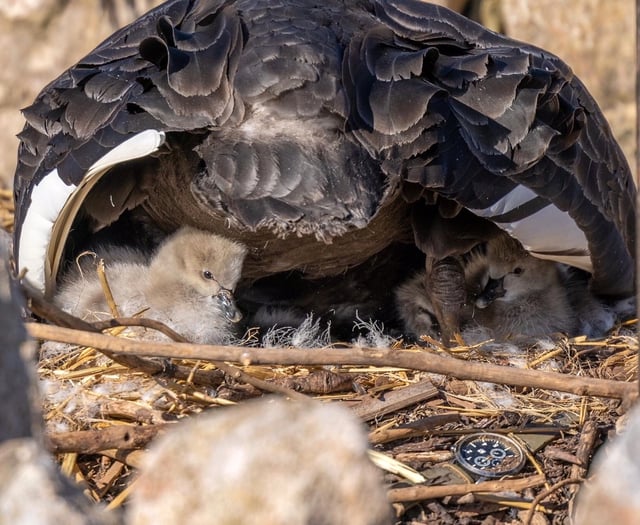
<point>246,94</point>
<point>82,124</point>
<point>502,128</point>
<point>302,116</point>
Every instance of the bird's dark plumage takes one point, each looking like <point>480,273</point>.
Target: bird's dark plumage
<point>289,124</point>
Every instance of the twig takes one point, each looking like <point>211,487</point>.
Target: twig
<point>93,441</point>
<point>143,322</point>
<point>132,411</point>
<point>321,382</point>
<point>427,456</point>
<point>119,499</point>
<point>385,435</point>
<point>265,386</point>
<point>106,289</point>
<point>546,493</point>
<point>105,479</point>
<point>132,458</point>
<point>559,454</point>
<point>371,408</point>
<point>46,310</point>
<point>586,444</point>
<point>529,455</point>
<point>419,493</point>
<point>415,360</point>
<point>232,371</point>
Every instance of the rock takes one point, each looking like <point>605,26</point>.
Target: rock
<point>32,491</point>
<point>268,462</point>
<point>612,495</point>
<point>19,416</point>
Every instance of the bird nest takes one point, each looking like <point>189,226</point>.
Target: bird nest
<point>558,398</point>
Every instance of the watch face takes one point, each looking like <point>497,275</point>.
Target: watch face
<point>489,455</point>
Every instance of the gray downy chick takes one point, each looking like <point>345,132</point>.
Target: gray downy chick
<point>187,283</point>
<point>513,293</point>
<point>509,293</point>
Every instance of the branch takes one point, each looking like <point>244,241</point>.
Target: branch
<point>46,310</point>
<point>371,407</point>
<point>93,441</point>
<point>143,322</point>
<point>43,308</point>
<point>410,359</point>
<point>545,494</point>
<point>421,492</point>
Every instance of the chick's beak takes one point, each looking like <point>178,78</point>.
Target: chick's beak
<point>231,312</point>
<point>492,291</point>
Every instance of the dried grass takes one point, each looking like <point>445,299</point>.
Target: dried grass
<point>85,390</point>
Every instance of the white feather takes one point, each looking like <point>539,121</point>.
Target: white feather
<point>54,206</point>
<point>552,230</point>
<point>516,197</point>
<point>138,146</point>
<point>546,231</point>
<point>47,201</point>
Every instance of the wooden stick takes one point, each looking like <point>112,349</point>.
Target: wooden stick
<point>144,322</point>
<point>213,378</point>
<point>321,382</point>
<point>230,370</point>
<point>106,289</point>
<point>132,458</point>
<point>421,492</point>
<point>546,493</point>
<point>414,360</point>
<point>385,435</point>
<point>427,456</point>
<point>559,454</point>
<point>130,410</point>
<point>265,386</point>
<point>43,308</point>
<point>371,408</point>
<point>113,437</point>
<point>587,442</point>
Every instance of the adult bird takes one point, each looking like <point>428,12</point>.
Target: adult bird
<point>320,133</point>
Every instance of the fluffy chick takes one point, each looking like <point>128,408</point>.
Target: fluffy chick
<point>509,293</point>
<point>514,293</point>
<point>187,283</point>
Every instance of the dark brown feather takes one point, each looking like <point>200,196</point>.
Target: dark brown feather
<point>297,118</point>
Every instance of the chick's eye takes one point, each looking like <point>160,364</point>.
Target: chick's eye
<point>207,275</point>
<point>518,270</point>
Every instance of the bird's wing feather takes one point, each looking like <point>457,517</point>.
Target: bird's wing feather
<point>304,116</point>
<point>499,115</point>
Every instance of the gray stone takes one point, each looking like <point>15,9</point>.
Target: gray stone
<point>268,462</point>
<point>32,491</point>
<point>18,418</point>
<point>611,495</point>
